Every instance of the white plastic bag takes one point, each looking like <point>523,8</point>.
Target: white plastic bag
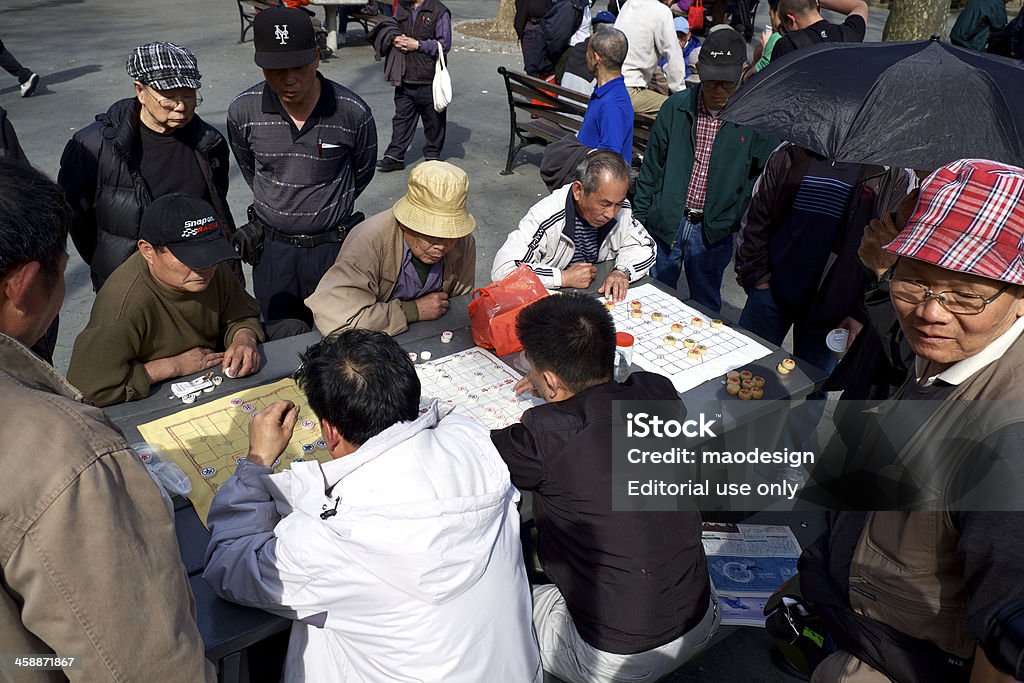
<point>167,476</point>
<point>442,86</point>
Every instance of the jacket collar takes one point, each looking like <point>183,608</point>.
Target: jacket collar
<point>306,485</point>
<point>325,106</point>
<point>121,126</point>
<point>17,361</point>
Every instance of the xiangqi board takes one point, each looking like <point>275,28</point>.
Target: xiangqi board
<point>678,341</point>
<point>478,383</point>
<point>206,441</point>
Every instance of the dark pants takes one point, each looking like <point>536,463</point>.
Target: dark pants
<point>12,66</point>
<point>763,316</point>
<point>535,58</point>
<point>286,275</point>
<point>411,103</point>
<point>282,329</point>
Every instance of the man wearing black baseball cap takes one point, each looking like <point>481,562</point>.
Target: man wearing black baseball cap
<point>142,148</point>
<point>173,308</point>
<point>307,147</point>
<point>691,212</point>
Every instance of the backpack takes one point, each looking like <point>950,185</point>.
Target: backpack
<point>695,15</point>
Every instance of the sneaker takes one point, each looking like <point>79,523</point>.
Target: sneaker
<point>387,165</point>
<point>29,86</point>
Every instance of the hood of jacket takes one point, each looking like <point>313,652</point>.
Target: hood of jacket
<point>443,502</point>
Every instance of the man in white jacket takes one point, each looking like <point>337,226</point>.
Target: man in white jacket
<point>651,32</point>
<point>583,223</point>
<point>400,559</point>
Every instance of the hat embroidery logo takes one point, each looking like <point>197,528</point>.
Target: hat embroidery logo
<point>281,33</point>
<point>198,226</point>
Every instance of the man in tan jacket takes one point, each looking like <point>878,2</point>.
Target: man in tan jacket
<point>401,265</point>
<point>88,558</point>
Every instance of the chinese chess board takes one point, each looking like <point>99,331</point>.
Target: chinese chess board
<point>206,441</point>
<point>724,348</point>
<point>480,386</point>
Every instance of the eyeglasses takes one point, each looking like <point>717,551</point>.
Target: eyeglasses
<point>957,303</point>
<point>171,103</point>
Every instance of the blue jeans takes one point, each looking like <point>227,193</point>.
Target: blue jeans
<point>704,266</point>
<point>765,318</point>
<point>762,316</point>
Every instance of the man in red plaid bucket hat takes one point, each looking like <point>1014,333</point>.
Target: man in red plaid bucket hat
<point>941,464</point>
<point>957,287</point>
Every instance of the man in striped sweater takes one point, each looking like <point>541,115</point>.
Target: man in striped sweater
<point>307,147</point>
<point>586,222</point>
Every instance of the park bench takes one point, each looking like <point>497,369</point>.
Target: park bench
<point>550,112</point>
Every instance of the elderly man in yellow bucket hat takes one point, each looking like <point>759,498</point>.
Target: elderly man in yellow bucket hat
<point>401,265</point>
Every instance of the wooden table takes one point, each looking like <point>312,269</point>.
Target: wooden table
<point>229,629</point>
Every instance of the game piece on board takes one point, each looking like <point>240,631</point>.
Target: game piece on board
<point>657,316</point>
<point>670,340</point>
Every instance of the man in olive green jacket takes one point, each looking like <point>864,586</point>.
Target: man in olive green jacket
<point>88,558</point>
<point>698,174</point>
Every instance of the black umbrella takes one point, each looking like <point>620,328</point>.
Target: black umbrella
<point>914,105</point>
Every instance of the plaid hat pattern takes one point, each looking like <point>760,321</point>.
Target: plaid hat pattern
<point>969,218</point>
<point>164,66</point>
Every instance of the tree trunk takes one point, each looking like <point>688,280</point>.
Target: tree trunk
<point>916,19</point>
<point>504,23</point>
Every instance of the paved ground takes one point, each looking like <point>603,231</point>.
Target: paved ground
<point>79,48</point>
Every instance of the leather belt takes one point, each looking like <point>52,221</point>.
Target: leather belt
<point>694,216</point>
<point>309,241</point>
<point>335,235</point>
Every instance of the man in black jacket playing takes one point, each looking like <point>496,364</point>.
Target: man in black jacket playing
<point>631,597</point>
<point>142,148</point>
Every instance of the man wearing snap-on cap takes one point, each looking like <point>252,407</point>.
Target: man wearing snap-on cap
<point>401,265</point>
<point>307,147</point>
<point>173,308</point>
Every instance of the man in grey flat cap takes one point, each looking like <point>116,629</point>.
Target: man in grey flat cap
<point>142,148</point>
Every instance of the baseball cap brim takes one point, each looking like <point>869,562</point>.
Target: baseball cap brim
<point>285,60</point>
<point>719,72</point>
<point>201,254</point>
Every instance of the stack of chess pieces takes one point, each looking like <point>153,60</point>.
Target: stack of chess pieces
<point>745,385</point>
